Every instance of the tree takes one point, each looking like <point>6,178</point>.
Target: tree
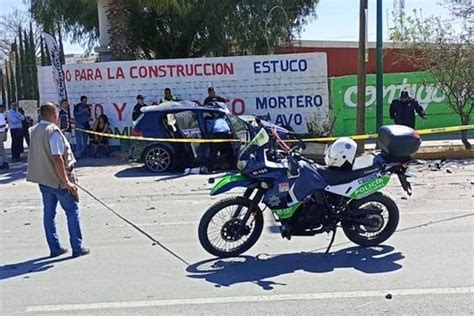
<point>10,24</point>
<point>446,53</point>
<point>192,28</point>
<point>79,18</point>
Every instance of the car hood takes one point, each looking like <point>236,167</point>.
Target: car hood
<point>267,125</point>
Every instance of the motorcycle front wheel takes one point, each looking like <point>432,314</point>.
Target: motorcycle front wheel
<point>382,226</point>
<point>222,231</point>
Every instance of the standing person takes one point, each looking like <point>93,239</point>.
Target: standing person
<point>3,138</point>
<point>137,108</point>
<point>15,123</point>
<point>65,119</point>
<point>402,110</point>
<point>213,97</point>
<point>168,96</point>
<point>82,115</point>
<point>50,165</point>
<point>218,128</point>
<point>100,126</point>
<point>27,123</point>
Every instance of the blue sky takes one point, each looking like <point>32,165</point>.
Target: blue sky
<point>337,19</point>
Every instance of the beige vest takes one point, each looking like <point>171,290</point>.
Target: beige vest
<point>40,161</point>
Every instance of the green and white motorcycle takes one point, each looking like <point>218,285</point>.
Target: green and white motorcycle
<point>307,199</point>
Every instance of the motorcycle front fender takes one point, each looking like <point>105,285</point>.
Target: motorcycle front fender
<point>229,182</point>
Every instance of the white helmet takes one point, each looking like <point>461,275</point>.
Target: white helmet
<point>342,151</point>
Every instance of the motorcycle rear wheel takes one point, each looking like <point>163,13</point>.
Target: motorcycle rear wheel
<point>384,224</point>
<point>225,240</point>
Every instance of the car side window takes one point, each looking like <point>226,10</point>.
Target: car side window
<point>238,124</point>
<point>187,123</point>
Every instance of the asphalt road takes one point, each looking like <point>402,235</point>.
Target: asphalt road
<point>425,268</point>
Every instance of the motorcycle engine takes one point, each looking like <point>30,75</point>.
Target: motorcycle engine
<point>312,214</point>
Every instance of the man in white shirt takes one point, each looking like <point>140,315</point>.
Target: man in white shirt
<point>15,123</point>
<point>3,138</point>
<point>50,164</point>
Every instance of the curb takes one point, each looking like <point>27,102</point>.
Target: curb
<point>448,154</point>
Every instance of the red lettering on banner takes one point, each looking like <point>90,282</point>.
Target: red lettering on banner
<point>189,70</point>
<point>161,71</point>
<point>180,70</point>
<point>206,69</point>
<point>170,68</point>
<point>132,74</point>
<point>219,70</point>
<point>120,74</point>
<point>229,69</point>
<point>67,75</point>
<point>153,72</point>
<point>100,107</point>
<point>196,73</point>
<point>98,74</point>
<point>117,75</point>
<point>120,110</point>
<point>90,74</point>
<point>77,74</point>
<point>241,104</point>
<point>142,72</point>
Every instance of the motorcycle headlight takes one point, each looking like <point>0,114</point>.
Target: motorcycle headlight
<point>241,164</point>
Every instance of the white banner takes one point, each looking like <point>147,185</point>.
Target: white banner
<point>285,89</point>
<point>57,69</point>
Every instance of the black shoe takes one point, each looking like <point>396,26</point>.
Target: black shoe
<point>83,252</point>
<point>59,253</point>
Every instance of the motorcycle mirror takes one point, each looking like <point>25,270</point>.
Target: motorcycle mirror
<point>293,166</point>
<point>211,180</point>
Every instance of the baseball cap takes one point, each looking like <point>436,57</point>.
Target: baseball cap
<point>404,94</point>
<point>140,97</point>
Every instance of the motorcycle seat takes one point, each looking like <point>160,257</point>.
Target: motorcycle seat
<point>335,176</point>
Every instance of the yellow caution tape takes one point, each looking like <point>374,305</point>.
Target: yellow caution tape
<point>317,139</point>
<point>153,139</point>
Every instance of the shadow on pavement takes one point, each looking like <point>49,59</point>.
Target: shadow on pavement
<point>259,269</point>
<point>100,162</point>
<point>17,171</point>
<point>141,171</point>
<point>31,266</point>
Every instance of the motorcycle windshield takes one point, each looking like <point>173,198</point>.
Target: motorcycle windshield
<point>260,140</point>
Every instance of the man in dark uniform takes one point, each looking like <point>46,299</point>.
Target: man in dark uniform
<point>213,97</point>
<point>137,109</point>
<point>402,110</point>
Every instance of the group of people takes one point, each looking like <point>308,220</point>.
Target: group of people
<point>168,96</point>
<point>18,123</point>
<point>83,123</point>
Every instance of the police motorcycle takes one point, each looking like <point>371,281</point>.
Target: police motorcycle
<point>306,198</point>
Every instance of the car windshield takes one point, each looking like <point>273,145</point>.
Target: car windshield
<point>260,140</point>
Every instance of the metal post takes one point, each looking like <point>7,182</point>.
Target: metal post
<point>379,87</point>
<point>104,37</point>
<point>361,80</point>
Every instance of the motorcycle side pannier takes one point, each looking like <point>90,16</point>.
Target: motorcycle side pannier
<point>398,142</point>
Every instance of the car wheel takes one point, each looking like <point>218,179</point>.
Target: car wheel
<point>158,159</point>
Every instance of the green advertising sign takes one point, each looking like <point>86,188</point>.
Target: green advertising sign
<point>420,85</point>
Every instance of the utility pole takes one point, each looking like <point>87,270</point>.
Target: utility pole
<point>361,80</point>
<point>379,85</point>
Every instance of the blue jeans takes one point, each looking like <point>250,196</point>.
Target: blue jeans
<point>51,196</point>
<point>81,142</point>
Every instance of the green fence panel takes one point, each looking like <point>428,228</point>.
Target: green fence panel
<point>420,84</point>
